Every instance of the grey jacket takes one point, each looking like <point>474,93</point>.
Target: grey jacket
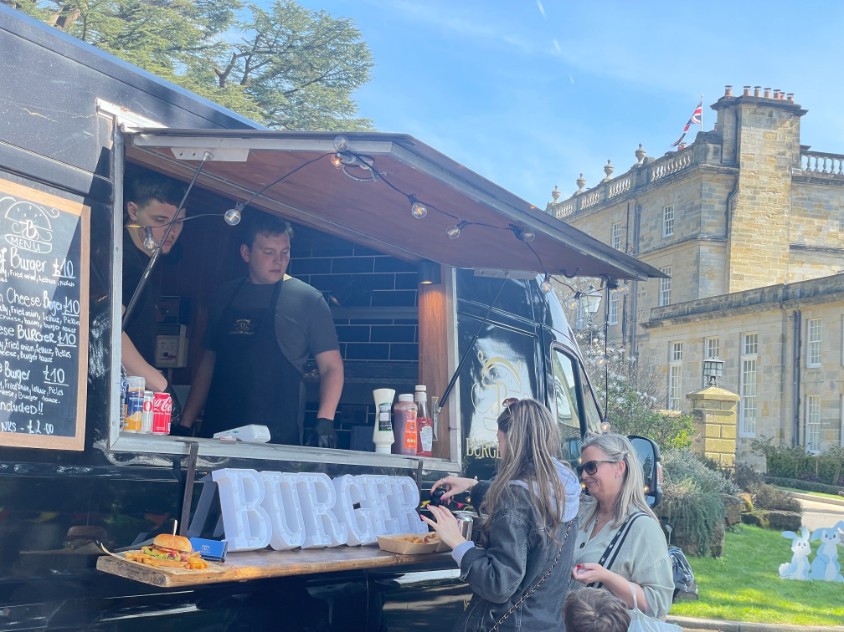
<point>517,553</point>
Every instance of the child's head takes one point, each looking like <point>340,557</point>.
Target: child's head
<point>595,610</point>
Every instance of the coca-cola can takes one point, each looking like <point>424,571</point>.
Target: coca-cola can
<point>146,414</point>
<point>162,410</point>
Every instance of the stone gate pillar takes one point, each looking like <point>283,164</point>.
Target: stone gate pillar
<point>715,418</point>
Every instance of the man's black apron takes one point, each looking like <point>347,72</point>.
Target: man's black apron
<point>253,382</point>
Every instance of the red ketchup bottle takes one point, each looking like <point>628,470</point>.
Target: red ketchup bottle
<point>424,423</point>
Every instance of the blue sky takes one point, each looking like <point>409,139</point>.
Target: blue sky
<point>530,93</point>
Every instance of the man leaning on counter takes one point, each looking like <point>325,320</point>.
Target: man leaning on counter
<point>261,331</point>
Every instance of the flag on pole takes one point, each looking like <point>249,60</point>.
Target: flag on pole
<point>694,120</point>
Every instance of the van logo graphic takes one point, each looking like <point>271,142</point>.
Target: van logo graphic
<point>243,327</point>
<point>31,226</point>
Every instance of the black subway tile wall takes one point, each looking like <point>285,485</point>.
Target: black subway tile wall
<point>373,297</point>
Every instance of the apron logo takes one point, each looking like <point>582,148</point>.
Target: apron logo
<point>243,327</point>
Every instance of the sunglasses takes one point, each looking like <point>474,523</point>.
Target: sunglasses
<point>590,467</point>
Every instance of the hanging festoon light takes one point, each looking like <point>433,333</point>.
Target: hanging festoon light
<point>417,208</point>
<point>455,230</point>
<point>546,283</point>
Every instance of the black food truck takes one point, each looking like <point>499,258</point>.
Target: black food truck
<point>450,298</point>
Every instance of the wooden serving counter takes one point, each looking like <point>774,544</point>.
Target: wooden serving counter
<point>268,563</point>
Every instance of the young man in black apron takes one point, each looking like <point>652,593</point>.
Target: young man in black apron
<point>261,331</point>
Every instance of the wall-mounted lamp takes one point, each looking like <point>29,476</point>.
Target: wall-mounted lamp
<point>713,370</point>
<point>429,272</point>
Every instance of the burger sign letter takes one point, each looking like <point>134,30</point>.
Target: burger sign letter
<point>310,510</point>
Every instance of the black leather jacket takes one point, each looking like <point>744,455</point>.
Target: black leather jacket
<point>516,554</point>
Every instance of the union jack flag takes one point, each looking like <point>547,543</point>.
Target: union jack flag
<point>694,120</point>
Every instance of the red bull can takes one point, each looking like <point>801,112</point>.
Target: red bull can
<point>162,411</point>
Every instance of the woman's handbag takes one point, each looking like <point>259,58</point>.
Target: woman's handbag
<point>640,622</point>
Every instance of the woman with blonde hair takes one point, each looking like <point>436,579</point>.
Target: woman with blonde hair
<point>519,572</point>
<point>620,544</point>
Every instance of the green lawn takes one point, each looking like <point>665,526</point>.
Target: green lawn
<point>744,584</point>
<point>819,494</point>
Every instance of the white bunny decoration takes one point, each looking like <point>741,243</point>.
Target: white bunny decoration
<point>798,568</point>
<point>825,566</point>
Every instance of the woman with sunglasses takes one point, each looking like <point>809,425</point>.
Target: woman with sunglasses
<point>638,559</point>
<point>519,572</point>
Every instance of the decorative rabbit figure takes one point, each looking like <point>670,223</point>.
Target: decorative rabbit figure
<point>825,565</point>
<point>798,567</point>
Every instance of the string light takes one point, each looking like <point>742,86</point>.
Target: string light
<point>417,208</point>
<point>454,231</point>
<point>546,283</point>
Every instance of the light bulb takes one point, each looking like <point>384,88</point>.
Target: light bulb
<point>336,160</point>
<point>454,231</point>
<point>571,304</point>
<point>546,284</point>
<point>149,241</point>
<point>233,215</point>
<point>605,427</point>
<point>341,144</point>
<point>418,210</point>
<point>527,235</point>
<point>602,360</point>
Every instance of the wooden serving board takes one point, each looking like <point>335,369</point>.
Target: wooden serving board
<point>268,563</point>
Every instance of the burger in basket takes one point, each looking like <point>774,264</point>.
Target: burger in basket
<point>169,551</point>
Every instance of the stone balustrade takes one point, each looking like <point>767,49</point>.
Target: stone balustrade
<point>639,175</point>
<point>818,163</point>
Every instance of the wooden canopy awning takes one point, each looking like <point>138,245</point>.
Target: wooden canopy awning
<point>368,199</point>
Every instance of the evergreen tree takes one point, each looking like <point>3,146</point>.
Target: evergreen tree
<point>286,67</point>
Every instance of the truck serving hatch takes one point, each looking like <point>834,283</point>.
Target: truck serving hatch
<point>361,187</point>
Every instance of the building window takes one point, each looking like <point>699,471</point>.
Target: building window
<point>675,375</point>
<point>612,316</point>
<point>665,287</point>
<point>813,423</point>
<point>668,220</point>
<point>712,348</point>
<point>747,384</point>
<point>616,235</point>
<point>813,342</point>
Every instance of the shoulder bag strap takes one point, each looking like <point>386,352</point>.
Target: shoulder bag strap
<point>538,583</point>
<point>614,546</point>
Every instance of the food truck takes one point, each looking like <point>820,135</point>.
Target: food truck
<point>451,298</point>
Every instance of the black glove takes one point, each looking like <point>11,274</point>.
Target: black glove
<point>323,435</point>
<point>176,415</point>
<point>178,430</point>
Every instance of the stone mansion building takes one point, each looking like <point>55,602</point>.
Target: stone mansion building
<point>746,223</point>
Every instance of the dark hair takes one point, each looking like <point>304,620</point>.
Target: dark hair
<point>595,610</point>
<point>265,224</point>
<point>142,186</point>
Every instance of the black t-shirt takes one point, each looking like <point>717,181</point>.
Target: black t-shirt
<point>303,322</point>
<point>141,327</point>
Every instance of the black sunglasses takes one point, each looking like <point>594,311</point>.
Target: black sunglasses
<point>590,467</point>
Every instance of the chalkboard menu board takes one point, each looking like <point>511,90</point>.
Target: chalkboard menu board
<point>43,319</point>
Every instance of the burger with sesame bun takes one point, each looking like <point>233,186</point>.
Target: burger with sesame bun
<point>169,551</point>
